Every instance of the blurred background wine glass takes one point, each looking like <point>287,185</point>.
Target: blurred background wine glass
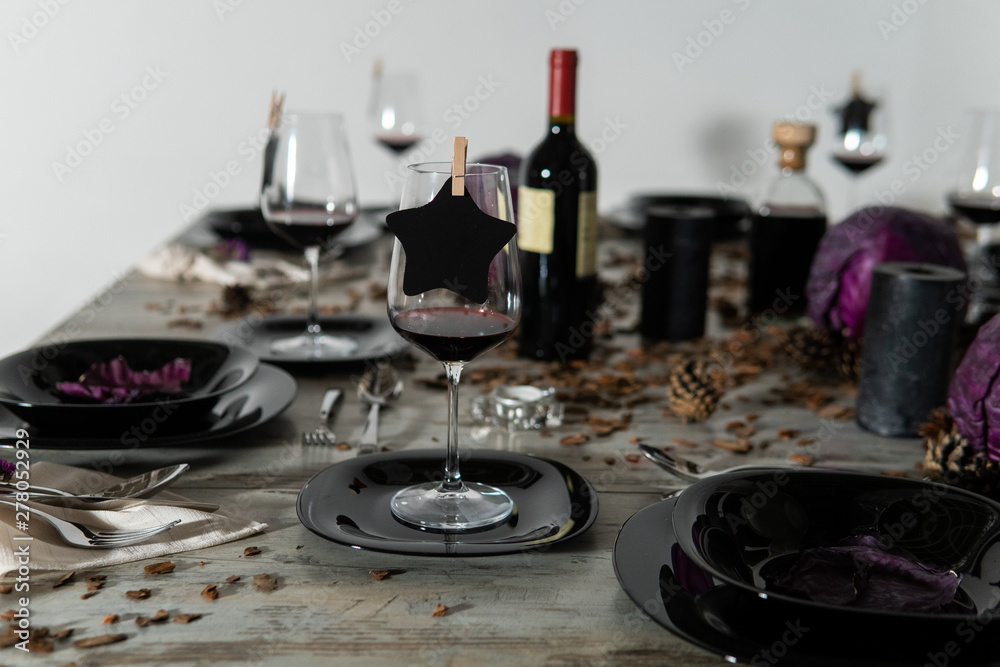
<point>860,142</point>
<point>308,198</point>
<point>976,200</point>
<point>395,111</point>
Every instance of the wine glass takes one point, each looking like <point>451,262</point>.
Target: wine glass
<point>308,198</point>
<point>860,142</point>
<point>396,111</point>
<point>976,199</point>
<point>455,330</point>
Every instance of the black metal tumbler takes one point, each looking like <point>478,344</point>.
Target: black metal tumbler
<point>910,329</point>
<point>677,243</point>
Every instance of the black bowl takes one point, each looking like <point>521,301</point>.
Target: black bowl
<point>762,630</point>
<point>750,529</point>
<point>28,382</point>
<point>729,211</point>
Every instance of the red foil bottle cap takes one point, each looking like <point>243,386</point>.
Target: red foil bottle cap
<point>562,83</point>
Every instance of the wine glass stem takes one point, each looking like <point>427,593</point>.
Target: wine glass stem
<point>452,474</point>
<point>853,199</point>
<point>312,319</point>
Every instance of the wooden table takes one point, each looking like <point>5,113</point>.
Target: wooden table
<point>562,606</point>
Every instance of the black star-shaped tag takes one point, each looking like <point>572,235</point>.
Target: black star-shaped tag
<point>449,244</point>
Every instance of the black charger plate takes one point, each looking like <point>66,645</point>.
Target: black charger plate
<point>730,212</point>
<point>374,335</point>
<point>262,398</point>
<point>349,503</point>
<point>672,590</point>
<point>248,224</point>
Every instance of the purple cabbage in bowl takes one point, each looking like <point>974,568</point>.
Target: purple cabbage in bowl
<point>841,274</point>
<point>974,394</point>
<point>858,572</point>
<point>115,383</point>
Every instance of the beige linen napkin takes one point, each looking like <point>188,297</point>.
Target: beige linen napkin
<point>48,551</point>
<point>180,262</point>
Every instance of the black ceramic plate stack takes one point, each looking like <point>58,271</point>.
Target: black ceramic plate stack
<point>228,391</point>
<point>820,568</point>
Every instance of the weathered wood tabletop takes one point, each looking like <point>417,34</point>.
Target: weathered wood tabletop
<point>560,606</point>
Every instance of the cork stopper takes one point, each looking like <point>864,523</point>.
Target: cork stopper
<point>793,140</point>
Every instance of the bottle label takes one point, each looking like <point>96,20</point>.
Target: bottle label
<point>536,212</point>
<point>586,235</point>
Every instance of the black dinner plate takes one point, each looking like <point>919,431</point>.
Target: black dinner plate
<point>248,224</point>
<point>375,336</point>
<point>751,527</point>
<point>725,619</point>
<point>28,381</point>
<point>262,398</point>
<point>729,211</point>
<point>349,503</point>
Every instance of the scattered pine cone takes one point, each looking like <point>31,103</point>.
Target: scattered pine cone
<point>692,391</point>
<point>849,361</point>
<point>813,349</point>
<point>951,459</point>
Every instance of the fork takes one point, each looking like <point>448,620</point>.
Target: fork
<point>81,535</point>
<point>322,435</point>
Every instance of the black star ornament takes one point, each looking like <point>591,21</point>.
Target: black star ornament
<point>449,244</point>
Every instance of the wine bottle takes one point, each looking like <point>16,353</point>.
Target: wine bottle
<point>786,228</point>
<point>557,231</point>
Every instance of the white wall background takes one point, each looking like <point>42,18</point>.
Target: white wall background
<point>62,239</point>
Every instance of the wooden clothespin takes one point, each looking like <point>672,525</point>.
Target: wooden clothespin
<point>274,115</point>
<point>461,149</point>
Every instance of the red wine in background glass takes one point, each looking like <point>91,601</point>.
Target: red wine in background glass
<point>397,143</point>
<point>857,163</point>
<point>453,334</point>
<point>980,209</point>
<point>308,226</point>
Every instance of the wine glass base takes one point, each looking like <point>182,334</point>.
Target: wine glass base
<point>472,507</point>
<point>315,346</point>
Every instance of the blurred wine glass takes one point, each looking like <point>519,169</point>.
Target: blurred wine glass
<point>860,142</point>
<point>976,200</point>
<point>396,111</point>
<point>308,198</point>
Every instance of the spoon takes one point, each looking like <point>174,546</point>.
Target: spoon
<point>379,386</point>
<point>141,486</point>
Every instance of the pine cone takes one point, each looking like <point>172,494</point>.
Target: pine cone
<point>951,459</point>
<point>849,360</point>
<point>813,349</point>
<point>692,391</point>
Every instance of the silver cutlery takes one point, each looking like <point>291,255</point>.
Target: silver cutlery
<point>322,435</point>
<point>80,535</point>
<point>141,486</point>
<point>378,387</point>
<point>686,470</point>
<point>690,471</point>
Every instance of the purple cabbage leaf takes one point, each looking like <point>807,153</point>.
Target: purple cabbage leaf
<point>115,383</point>
<point>974,393</point>
<point>858,573</point>
<point>841,274</point>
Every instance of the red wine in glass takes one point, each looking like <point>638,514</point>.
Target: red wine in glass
<point>397,143</point>
<point>307,225</point>
<point>981,209</point>
<point>453,334</point>
<point>857,163</point>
